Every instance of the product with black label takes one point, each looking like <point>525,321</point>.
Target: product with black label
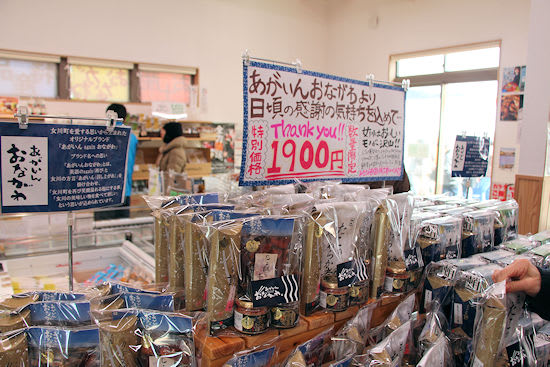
<point>403,254</point>
<point>440,238</point>
<point>438,285</point>
<point>341,224</point>
<point>478,231</point>
<point>506,221</point>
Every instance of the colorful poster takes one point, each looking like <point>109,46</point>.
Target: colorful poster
<point>311,126</point>
<point>8,105</point>
<point>513,79</point>
<point>511,107</point>
<point>470,156</point>
<point>48,168</point>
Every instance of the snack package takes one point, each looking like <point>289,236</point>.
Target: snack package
<point>261,356</point>
<point>64,347</point>
<point>542,351</point>
<point>196,251</point>
<point>121,287</point>
<point>495,256</point>
<point>439,354</point>
<point>403,253</point>
<point>119,343</point>
<point>162,226</point>
<point>166,339</point>
<point>177,234</point>
<point>13,320</point>
<point>467,263</point>
<point>541,238</point>
<point>280,204</point>
<point>59,313</point>
<point>440,238</point>
<point>311,265</point>
<point>223,273</point>
<point>477,232</point>
<point>490,326</point>
<point>14,349</point>
<point>270,261</point>
<point>18,301</point>
<point>398,317</point>
<point>382,238</point>
<point>541,256</point>
<point>166,302</point>
<point>506,221</point>
<point>340,224</point>
<point>389,352</point>
<point>261,198</point>
<point>519,245</point>
<point>353,336</point>
<point>434,327</point>
<point>439,281</point>
<point>312,353</point>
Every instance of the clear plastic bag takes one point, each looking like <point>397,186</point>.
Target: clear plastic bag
<point>381,240</point>
<point>478,231</point>
<point>261,356</point>
<point>399,316</point>
<point>519,245</point>
<point>438,355</point>
<point>541,256</point>
<point>541,238</point>
<point>311,353</point>
<point>59,313</point>
<point>389,352</point>
<point>490,326</point>
<point>14,349</point>
<point>353,336</point>
<point>434,327</point>
<point>64,347</point>
<point>196,251</point>
<point>13,320</point>
<point>340,225</point>
<point>506,221</point>
<point>440,238</point>
<point>438,286</point>
<point>165,302</point>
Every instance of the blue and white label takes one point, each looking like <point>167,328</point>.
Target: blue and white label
<point>270,292</point>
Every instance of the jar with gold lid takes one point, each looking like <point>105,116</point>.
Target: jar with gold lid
<point>285,316</point>
<point>333,298</point>
<point>397,279</point>
<point>359,293</point>
<point>249,319</point>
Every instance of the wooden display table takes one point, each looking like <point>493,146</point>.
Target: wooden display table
<point>215,351</point>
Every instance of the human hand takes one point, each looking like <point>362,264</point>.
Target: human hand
<point>521,275</point>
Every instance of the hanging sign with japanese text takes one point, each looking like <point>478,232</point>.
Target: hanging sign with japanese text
<point>311,126</point>
<point>51,167</point>
<point>470,156</point>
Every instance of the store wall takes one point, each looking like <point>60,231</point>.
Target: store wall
<point>363,35</point>
<point>208,34</point>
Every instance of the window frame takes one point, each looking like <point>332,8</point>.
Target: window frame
<point>448,77</point>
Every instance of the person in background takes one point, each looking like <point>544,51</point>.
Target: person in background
<point>132,147</point>
<point>523,276</point>
<point>172,153</point>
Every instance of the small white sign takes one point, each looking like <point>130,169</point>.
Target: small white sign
<point>24,170</point>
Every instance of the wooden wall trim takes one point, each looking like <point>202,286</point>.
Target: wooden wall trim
<point>528,193</point>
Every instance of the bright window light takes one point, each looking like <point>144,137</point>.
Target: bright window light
<point>420,65</point>
<point>475,59</point>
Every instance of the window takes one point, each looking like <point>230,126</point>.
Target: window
<point>28,78</point>
<point>453,91</point>
<point>164,87</point>
<point>96,83</point>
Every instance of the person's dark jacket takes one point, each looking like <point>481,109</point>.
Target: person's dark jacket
<point>541,302</point>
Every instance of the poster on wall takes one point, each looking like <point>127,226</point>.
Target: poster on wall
<point>511,107</point>
<point>470,156</point>
<point>312,126</point>
<point>513,79</point>
<point>50,168</point>
<point>507,158</point>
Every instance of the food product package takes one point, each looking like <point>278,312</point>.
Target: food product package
<point>439,354</point>
<point>14,349</point>
<point>264,355</point>
<point>519,245</point>
<point>389,352</point>
<point>439,281</point>
<point>59,313</point>
<point>64,346</point>
<point>339,225</point>
<point>311,353</point>
<point>440,238</point>
<point>477,232</point>
<point>352,338</point>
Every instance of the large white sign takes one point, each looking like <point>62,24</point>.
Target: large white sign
<point>312,126</point>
